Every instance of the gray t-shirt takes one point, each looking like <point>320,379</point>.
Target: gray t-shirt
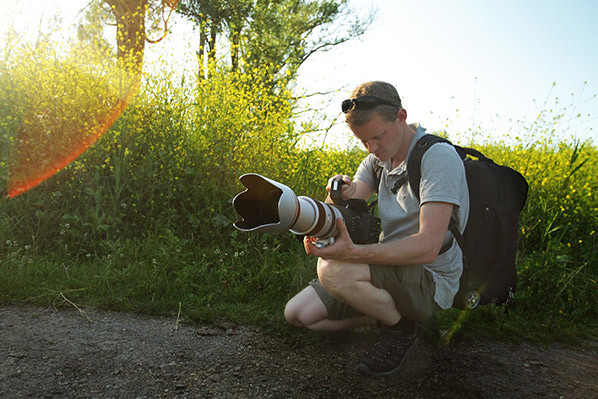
<point>442,180</point>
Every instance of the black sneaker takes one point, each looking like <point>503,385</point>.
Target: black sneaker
<point>388,353</point>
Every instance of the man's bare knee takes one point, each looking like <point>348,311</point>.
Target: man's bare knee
<point>291,314</point>
<point>305,308</point>
<point>335,277</point>
<point>330,278</point>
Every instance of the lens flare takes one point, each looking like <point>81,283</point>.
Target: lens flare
<point>450,333</point>
<point>73,105</point>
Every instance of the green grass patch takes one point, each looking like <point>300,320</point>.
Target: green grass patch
<point>248,283</point>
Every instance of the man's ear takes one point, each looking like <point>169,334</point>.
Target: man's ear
<point>402,115</point>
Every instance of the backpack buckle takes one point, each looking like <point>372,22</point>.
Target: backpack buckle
<point>403,178</point>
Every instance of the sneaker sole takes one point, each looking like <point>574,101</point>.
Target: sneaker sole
<point>363,369</point>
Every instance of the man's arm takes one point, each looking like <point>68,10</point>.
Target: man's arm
<point>422,247</point>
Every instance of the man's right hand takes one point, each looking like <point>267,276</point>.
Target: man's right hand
<point>347,190</point>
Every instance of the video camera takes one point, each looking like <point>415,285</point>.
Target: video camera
<point>271,207</point>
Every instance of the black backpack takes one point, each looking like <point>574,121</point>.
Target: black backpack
<point>497,195</point>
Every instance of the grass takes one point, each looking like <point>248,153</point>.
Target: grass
<point>250,283</point>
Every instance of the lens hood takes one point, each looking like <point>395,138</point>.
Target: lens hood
<point>266,206</point>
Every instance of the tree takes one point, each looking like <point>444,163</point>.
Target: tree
<point>284,34</point>
<point>217,17</point>
<point>135,20</point>
<point>90,28</point>
<point>275,34</point>
<point>130,31</point>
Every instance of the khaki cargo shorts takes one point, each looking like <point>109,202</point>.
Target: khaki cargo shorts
<point>412,288</point>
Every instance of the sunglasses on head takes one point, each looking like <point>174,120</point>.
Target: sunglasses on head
<point>364,102</point>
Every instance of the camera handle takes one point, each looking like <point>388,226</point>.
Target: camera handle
<point>335,196</point>
<point>335,192</point>
<point>324,242</point>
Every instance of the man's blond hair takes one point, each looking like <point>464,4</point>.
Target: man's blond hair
<point>386,91</point>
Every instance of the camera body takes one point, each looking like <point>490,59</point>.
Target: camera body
<point>271,207</point>
<point>363,227</point>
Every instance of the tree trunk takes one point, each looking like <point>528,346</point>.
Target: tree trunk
<point>130,32</point>
<point>213,35</point>
<point>202,50</point>
<point>235,43</point>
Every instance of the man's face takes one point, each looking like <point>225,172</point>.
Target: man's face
<point>381,138</point>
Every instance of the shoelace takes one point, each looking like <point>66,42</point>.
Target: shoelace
<point>382,350</point>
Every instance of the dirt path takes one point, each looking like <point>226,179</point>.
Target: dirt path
<point>45,353</point>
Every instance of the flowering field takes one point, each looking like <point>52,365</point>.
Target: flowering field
<point>143,219</point>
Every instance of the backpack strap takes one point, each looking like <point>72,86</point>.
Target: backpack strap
<point>414,171</point>
<point>414,161</point>
<point>377,175</point>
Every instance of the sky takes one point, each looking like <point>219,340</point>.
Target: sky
<point>459,65</point>
<point>462,64</point>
